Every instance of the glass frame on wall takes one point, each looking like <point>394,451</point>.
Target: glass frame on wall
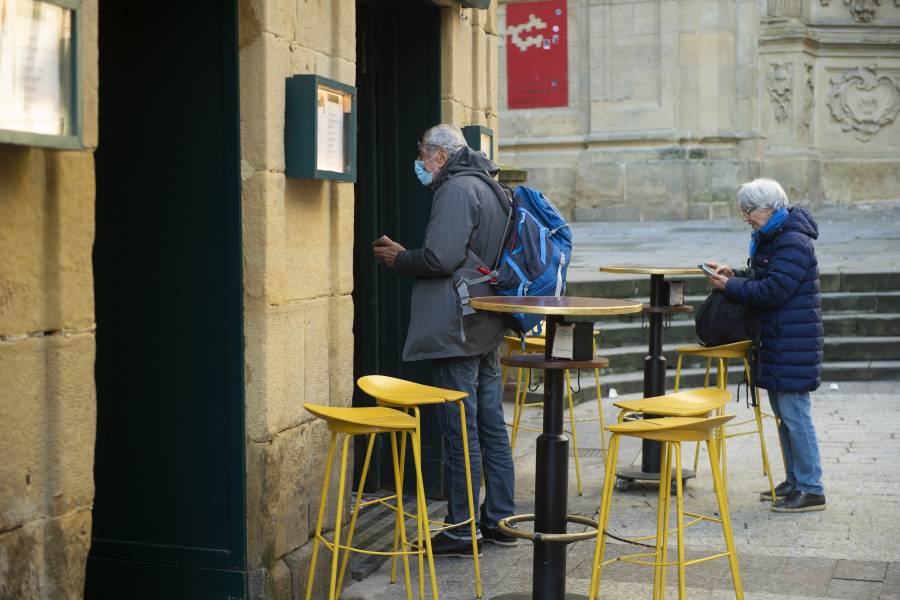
<point>40,101</point>
<point>320,129</point>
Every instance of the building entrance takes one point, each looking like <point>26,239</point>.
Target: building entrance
<point>169,514</point>
<point>398,80</point>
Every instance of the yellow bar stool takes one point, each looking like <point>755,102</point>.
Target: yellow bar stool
<point>722,355</point>
<point>670,432</point>
<point>691,403</point>
<point>369,421</point>
<point>409,396</point>
<point>536,345</point>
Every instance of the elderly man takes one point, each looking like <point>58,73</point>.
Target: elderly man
<point>469,214</point>
<point>782,286</point>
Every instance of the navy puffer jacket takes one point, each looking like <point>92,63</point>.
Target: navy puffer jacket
<point>783,286</point>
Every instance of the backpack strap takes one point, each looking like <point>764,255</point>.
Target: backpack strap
<point>506,197</point>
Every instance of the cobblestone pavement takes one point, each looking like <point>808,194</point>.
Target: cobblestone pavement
<point>850,551</point>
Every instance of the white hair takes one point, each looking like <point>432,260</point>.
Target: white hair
<point>448,137</point>
<point>761,194</point>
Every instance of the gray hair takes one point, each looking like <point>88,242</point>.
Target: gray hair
<point>761,194</point>
<point>448,137</point>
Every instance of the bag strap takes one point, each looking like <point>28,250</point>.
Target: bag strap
<point>506,197</point>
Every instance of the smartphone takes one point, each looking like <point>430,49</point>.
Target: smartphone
<point>707,269</point>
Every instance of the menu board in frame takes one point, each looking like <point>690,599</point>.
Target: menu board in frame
<point>39,73</point>
<point>320,129</point>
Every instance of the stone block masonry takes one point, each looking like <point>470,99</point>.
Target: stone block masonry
<point>805,92</point>
<point>298,261</point>
<point>47,347</point>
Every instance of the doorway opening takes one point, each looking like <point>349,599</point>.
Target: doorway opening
<point>169,513</point>
<point>398,82</point>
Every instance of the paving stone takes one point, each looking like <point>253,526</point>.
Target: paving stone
<point>860,570</point>
<point>854,590</point>
<point>781,557</point>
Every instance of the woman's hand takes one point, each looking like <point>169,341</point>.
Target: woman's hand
<point>717,281</point>
<point>721,269</point>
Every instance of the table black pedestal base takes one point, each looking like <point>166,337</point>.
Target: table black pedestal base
<point>639,475</point>
<point>529,596</point>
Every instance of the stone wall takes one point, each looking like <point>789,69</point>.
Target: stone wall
<point>830,97</point>
<point>674,104</point>
<point>662,120</point>
<point>298,277</point>
<point>298,271</point>
<point>469,80</point>
<point>47,343</point>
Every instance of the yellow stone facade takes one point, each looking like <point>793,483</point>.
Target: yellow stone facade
<point>297,285</point>
<point>298,259</point>
<point>47,345</point>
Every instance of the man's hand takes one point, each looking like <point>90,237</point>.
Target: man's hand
<point>386,250</point>
<point>718,281</point>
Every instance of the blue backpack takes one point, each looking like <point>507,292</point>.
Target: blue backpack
<point>536,255</point>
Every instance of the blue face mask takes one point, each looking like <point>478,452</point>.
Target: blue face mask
<point>425,177</point>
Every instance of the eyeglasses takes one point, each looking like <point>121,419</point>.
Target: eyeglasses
<point>747,211</point>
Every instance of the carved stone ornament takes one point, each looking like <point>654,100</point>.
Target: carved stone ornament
<point>810,100</point>
<point>863,11</point>
<point>780,83</point>
<point>864,102</point>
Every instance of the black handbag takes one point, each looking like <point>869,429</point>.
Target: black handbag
<point>720,320</point>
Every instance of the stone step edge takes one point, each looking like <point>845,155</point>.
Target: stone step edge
<point>613,379</point>
<point>687,321</point>
<point>829,341</point>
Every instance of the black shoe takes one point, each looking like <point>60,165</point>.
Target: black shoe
<point>798,501</point>
<point>444,545</point>
<point>781,490</point>
<point>495,535</point>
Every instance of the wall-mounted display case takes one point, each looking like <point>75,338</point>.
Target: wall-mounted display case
<point>320,129</point>
<point>40,73</point>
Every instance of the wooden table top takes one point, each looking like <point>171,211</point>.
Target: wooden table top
<point>557,305</point>
<point>645,270</point>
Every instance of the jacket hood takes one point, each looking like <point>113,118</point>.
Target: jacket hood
<point>800,220</point>
<point>465,160</point>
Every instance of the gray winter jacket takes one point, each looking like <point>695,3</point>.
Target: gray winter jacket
<point>466,213</point>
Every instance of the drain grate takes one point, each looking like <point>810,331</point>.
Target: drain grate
<point>587,452</point>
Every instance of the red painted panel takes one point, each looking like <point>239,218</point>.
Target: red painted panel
<point>537,55</point>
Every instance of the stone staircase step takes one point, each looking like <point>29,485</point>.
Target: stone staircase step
<point>682,331</point>
<point>862,348</point>
<point>633,383</point>
<point>861,302</point>
<point>696,285</point>
<point>631,357</point>
<point>865,324</point>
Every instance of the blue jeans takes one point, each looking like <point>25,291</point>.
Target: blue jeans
<point>478,376</point>
<point>802,465</point>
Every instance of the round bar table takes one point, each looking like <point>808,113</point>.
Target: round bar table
<point>655,362</point>
<point>552,455</point>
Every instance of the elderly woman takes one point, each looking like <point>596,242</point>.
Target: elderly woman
<point>781,285</point>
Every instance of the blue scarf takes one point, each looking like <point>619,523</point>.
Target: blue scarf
<point>774,222</point>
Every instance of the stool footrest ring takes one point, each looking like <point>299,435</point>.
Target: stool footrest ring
<point>536,536</point>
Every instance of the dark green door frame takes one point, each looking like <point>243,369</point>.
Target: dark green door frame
<point>399,95</point>
<point>169,516</point>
